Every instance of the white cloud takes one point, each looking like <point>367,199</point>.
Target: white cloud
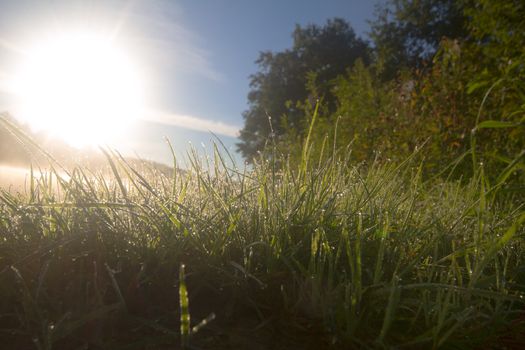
<point>193,123</point>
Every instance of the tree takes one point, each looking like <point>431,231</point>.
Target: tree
<point>407,33</point>
<point>280,86</point>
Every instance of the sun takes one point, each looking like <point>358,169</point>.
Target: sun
<point>80,87</point>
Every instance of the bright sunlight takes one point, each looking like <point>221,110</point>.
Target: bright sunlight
<point>78,87</point>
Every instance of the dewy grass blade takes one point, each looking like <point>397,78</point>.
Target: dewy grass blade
<point>184,309</point>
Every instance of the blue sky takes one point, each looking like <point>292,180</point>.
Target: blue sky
<point>196,55</point>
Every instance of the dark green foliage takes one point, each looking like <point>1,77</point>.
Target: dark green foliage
<point>447,76</point>
<point>367,115</point>
<point>406,33</point>
<point>281,82</point>
<point>497,64</point>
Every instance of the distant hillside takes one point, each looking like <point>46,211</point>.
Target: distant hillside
<point>11,151</point>
<point>16,153</point>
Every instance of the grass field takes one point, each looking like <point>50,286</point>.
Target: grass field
<point>320,255</point>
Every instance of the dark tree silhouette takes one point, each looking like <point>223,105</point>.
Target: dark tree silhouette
<point>281,83</point>
<point>406,33</point>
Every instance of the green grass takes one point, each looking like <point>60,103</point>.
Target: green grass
<point>323,254</point>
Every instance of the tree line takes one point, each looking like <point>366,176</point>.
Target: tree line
<point>445,75</point>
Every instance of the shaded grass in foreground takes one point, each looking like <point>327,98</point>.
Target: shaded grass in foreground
<point>315,256</point>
